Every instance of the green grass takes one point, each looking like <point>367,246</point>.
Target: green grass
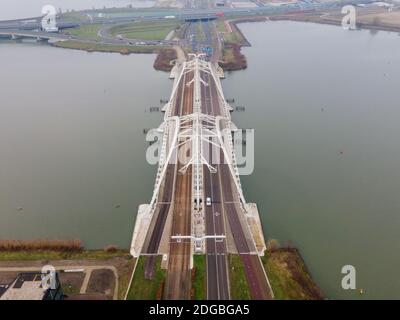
<point>280,282</point>
<point>143,289</point>
<point>69,289</point>
<point>89,31</point>
<point>239,287</point>
<point>75,16</point>
<point>146,30</point>
<point>199,278</point>
<point>231,37</point>
<point>288,276</point>
<point>56,255</point>
<point>98,47</point>
<point>124,277</point>
<point>221,25</point>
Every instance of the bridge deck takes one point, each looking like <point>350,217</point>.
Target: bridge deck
<point>224,217</point>
<point>178,282</point>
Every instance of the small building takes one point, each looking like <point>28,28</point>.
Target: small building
<point>28,286</point>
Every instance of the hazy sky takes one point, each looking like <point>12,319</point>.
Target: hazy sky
<point>13,9</point>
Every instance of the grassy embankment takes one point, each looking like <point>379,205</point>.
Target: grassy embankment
<point>32,255</point>
<point>164,54</point>
<point>239,288</point>
<point>164,58</point>
<point>41,244</point>
<point>98,47</point>
<point>220,24</point>
<point>89,31</point>
<point>144,289</point>
<point>288,275</point>
<point>228,36</point>
<point>286,272</point>
<point>53,249</point>
<point>146,30</point>
<point>75,16</point>
<point>90,41</point>
<point>233,39</point>
<point>199,286</point>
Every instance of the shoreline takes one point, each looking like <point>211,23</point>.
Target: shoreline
<point>239,61</point>
<point>333,22</point>
<point>290,278</point>
<point>162,62</point>
<point>232,59</point>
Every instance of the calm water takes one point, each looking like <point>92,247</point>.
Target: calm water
<point>325,106</point>
<point>72,143</point>
<point>16,9</point>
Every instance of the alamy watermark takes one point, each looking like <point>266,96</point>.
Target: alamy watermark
<point>349,21</point>
<point>349,279</point>
<point>49,20</point>
<point>49,277</point>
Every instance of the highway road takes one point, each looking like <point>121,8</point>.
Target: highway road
<point>216,251</point>
<point>128,15</point>
<point>256,277</point>
<point>7,33</point>
<point>105,38</point>
<point>228,204</point>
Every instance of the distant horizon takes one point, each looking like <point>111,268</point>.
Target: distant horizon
<point>20,9</point>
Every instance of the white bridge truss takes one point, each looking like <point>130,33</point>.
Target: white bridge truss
<point>196,132</point>
<point>178,237</point>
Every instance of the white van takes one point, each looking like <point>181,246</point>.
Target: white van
<point>208,201</point>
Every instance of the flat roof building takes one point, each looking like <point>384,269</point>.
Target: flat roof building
<point>28,286</point>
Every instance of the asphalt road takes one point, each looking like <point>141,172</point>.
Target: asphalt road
<point>228,203</point>
<point>216,252</point>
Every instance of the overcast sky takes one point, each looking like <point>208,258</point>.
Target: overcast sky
<point>14,9</point>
